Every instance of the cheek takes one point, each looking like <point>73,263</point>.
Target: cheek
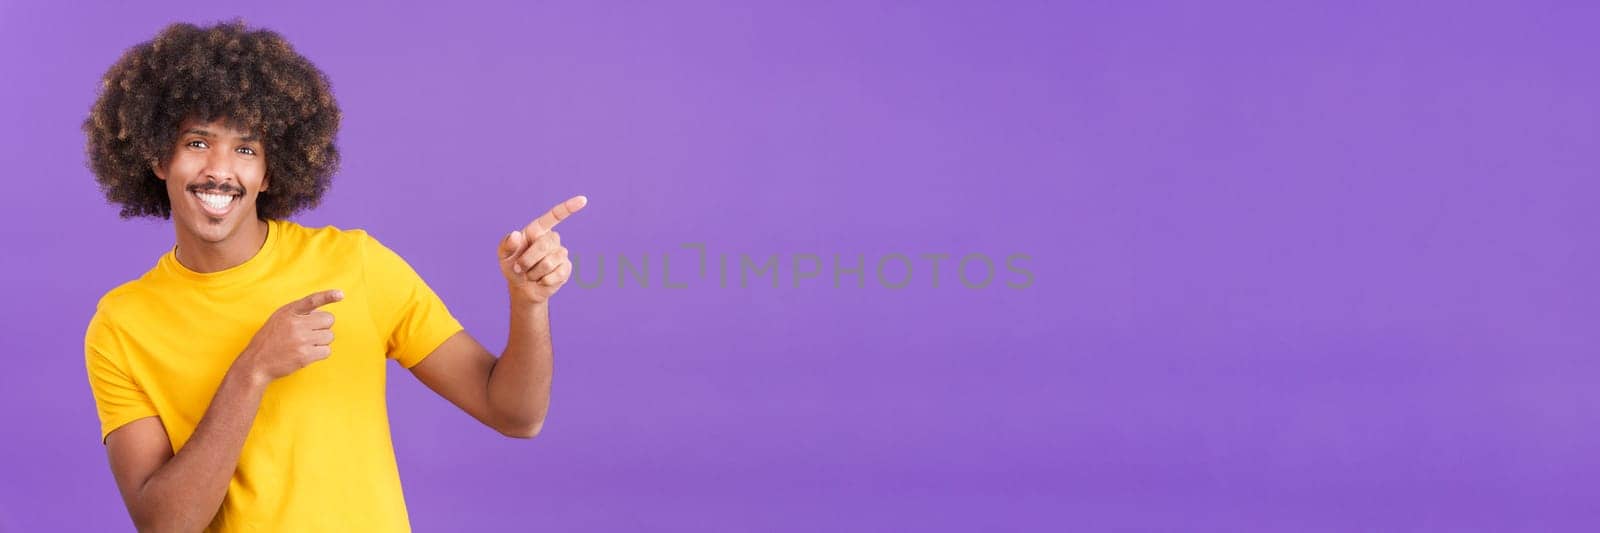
<point>254,175</point>
<point>175,172</point>
<point>185,166</point>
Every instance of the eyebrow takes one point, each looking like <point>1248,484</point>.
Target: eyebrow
<point>205,133</point>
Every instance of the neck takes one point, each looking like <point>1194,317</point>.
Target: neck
<point>206,257</point>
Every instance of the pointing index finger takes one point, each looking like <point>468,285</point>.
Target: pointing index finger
<point>311,302</point>
<point>555,215</point>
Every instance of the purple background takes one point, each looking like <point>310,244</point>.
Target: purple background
<point>1311,267</point>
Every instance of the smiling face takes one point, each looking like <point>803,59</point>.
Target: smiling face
<point>213,177</point>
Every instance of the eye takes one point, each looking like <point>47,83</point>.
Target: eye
<point>197,143</point>
<point>247,150</point>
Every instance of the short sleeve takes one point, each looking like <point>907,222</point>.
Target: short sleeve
<point>405,310</point>
<point>117,397</point>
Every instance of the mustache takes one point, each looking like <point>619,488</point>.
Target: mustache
<point>217,188</point>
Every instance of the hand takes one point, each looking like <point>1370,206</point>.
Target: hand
<point>532,259</point>
<point>296,335</point>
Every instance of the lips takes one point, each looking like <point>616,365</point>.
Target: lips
<point>217,205</point>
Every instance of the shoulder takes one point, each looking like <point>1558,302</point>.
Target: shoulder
<point>328,239</point>
<point>130,299</point>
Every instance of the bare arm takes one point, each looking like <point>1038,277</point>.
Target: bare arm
<point>183,491</point>
<point>511,394</point>
<point>519,387</point>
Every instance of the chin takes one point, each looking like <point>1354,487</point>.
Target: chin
<point>210,232</point>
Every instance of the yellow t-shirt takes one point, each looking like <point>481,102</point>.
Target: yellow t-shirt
<point>319,457</point>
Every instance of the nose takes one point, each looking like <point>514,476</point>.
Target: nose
<point>219,167</point>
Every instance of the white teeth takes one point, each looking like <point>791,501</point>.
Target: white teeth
<point>215,201</point>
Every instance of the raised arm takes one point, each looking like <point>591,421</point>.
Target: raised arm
<point>183,491</point>
<point>512,393</point>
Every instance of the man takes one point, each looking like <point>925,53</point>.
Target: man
<point>240,382</point>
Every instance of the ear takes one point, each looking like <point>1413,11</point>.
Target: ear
<point>161,173</point>
<point>265,180</point>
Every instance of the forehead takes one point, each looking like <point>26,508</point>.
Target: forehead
<point>218,128</point>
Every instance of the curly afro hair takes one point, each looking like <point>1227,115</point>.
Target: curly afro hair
<point>253,79</point>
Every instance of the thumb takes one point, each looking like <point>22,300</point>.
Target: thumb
<point>311,302</point>
<point>510,245</point>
